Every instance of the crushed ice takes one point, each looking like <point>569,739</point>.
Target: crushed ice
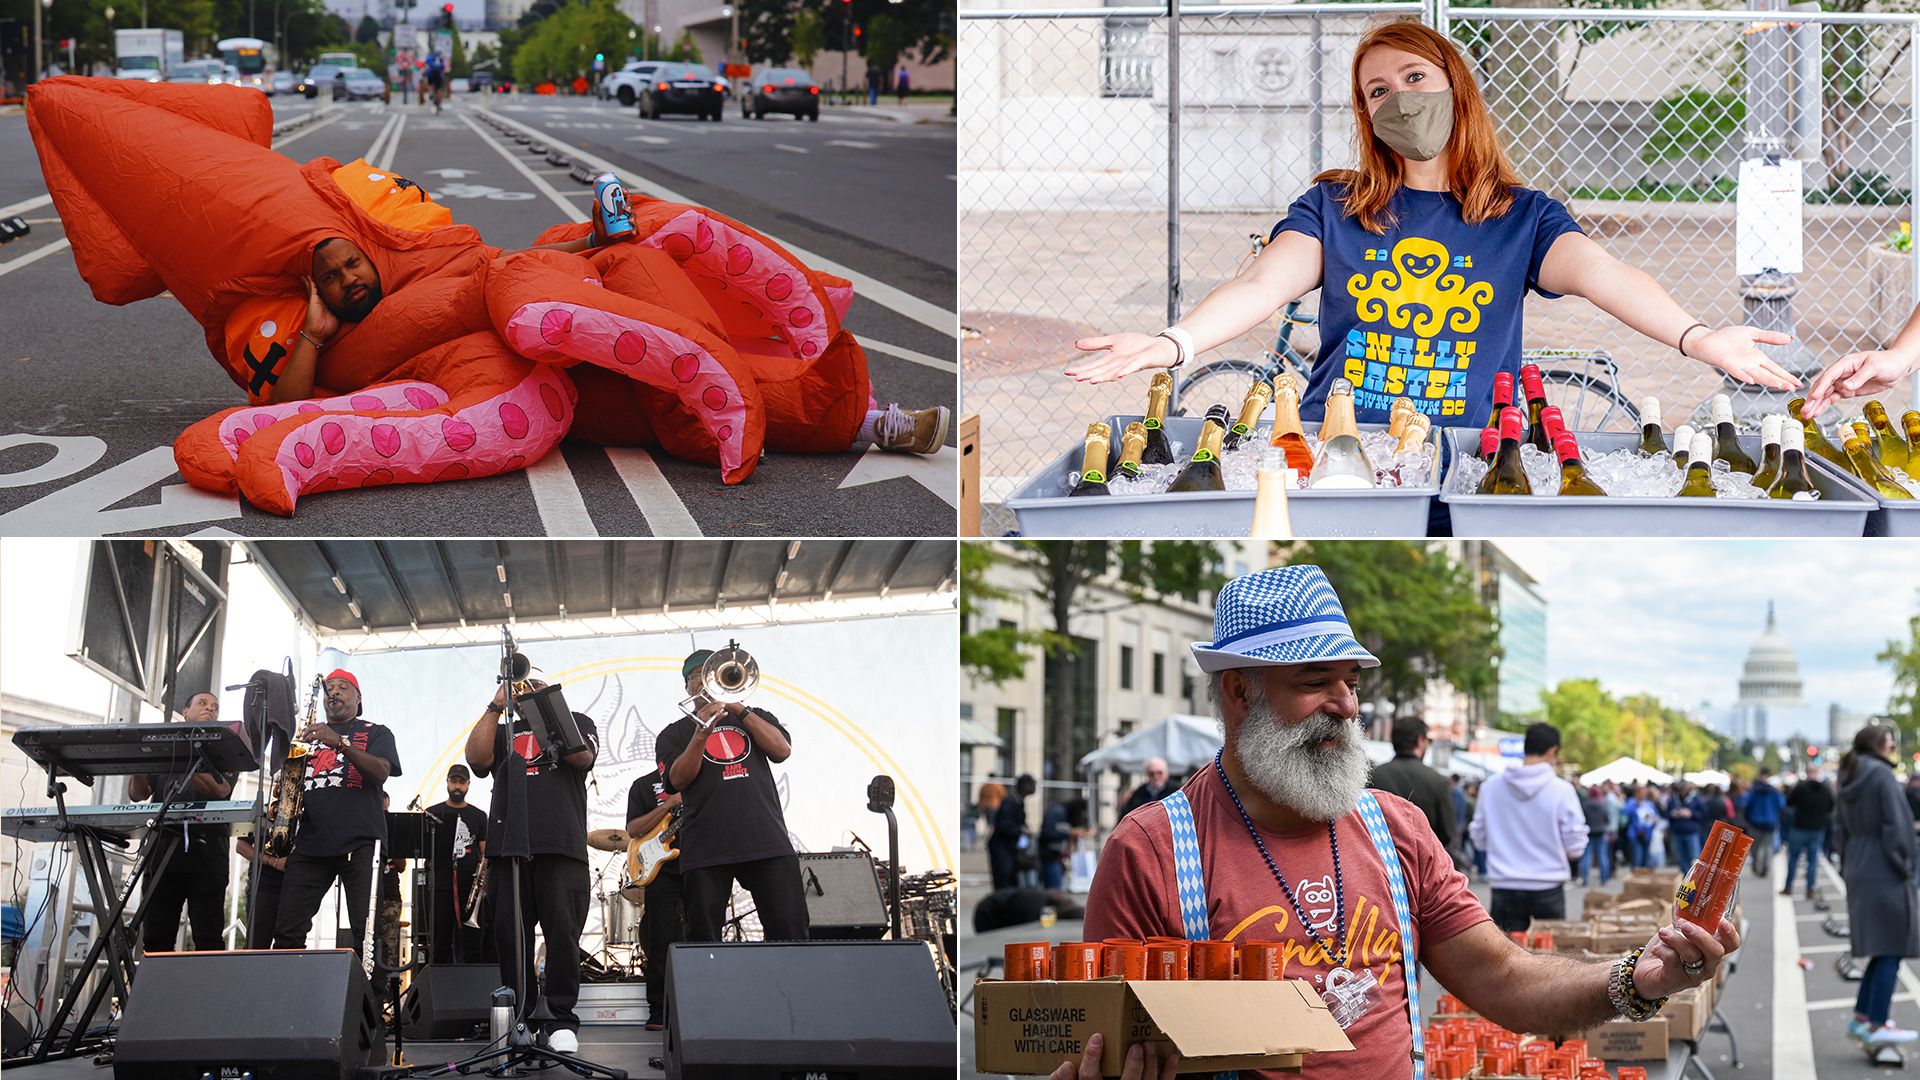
<point>1628,473</point>
<point>1240,466</point>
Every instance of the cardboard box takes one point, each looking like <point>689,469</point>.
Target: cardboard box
<point>1688,1011</point>
<point>1623,1040</point>
<point>1029,1028</point>
<point>1569,935</point>
<point>1613,941</point>
<point>1650,885</point>
<point>970,475</point>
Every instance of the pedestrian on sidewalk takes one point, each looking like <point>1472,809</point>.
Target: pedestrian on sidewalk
<point>1009,837</point>
<point>1810,806</point>
<point>1764,805</point>
<point>1643,816</point>
<point>1877,862</point>
<point>1531,826</point>
<point>1409,777</point>
<point>873,85</point>
<point>1600,826</point>
<point>1686,814</point>
<point>900,83</point>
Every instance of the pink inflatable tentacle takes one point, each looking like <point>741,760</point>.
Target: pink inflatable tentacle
<point>239,427</point>
<point>496,434</point>
<point>758,278</point>
<point>553,330</point>
<point>841,297</point>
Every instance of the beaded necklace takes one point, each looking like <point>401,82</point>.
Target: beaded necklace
<point>1339,885</point>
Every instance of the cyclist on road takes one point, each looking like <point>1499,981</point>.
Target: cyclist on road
<point>1423,255</point>
<point>436,77</point>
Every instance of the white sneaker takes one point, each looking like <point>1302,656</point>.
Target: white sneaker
<point>1888,1035</point>
<point>563,1040</point>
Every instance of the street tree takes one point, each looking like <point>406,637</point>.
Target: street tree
<point>1903,704</point>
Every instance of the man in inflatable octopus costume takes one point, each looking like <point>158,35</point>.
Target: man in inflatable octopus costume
<point>413,351</point>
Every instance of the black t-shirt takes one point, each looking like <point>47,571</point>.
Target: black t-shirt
<point>732,807</point>
<point>644,798</point>
<point>556,793</point>
<point>344,810</point>
<point>456,844</point>
<point>205,846</point>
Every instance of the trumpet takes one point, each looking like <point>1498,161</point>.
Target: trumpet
<point>473,897</point>
<point>290,785</point>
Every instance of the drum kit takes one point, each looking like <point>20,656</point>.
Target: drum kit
<point>621,954</point>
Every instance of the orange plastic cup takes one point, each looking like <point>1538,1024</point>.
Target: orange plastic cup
<point>1260,960</point>
<point>1704,897</point>
<point>1212,960</point>
<point>1166,961</point>
<point>1076,961</point>
<point>1029,961</point>
<point>1127,959</point>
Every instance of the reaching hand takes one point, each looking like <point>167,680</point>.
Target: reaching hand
<point>1734,350</point>
<point>321,322</point>
<point>1143,1063</point>
<point>1858,375</point>
<point>1660,970</point>
<point>1125,354</point>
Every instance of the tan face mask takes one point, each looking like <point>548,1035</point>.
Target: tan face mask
<point>1415,123</point>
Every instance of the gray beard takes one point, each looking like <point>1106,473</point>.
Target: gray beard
<point>1288,766</point>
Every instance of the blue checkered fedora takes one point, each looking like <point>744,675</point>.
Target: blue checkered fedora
<point>1286,615</point>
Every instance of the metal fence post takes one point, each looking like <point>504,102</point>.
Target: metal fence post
<point>1438,16</point>
<point>1173,176</point>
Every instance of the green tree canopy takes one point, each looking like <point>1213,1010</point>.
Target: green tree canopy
<point>1595,728</point>
<point>368,32</point>
<point>809,36</point>
<point>561,45</point>
<point>996,653</point>
<point>1903,704</point>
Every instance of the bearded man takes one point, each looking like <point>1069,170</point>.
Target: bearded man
<point>1279,839</point>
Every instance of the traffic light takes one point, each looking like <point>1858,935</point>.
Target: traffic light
<point>448,10</point>
<point>599,58</point>
<point>856,31</point>
<point>1813,751</point>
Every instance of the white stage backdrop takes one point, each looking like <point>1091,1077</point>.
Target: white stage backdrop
<point>860,698</point>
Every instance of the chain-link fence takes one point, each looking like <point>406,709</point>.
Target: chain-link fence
<point>1074,121</point>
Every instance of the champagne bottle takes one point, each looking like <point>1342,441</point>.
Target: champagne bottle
<point>1397,418</point>
<point>1251,407</point>
<point>1574,479</point>
<point>1682,445</point>
<point>1270,519</point>
<point>1508,475</point>
<point>1726,443</point>
<point>1343,461</point>
<point>1817,442</point>
<point>1893,449</point>
<point>1489,444</point>
<point>1910,423</point>
<point>1159,451</point>
<point>1536,388</point>
<point>1133,441</point>
<point>1770,453</point>
<point>1652,439</point>
<point>1865,433</point>
<point>1203,472</point>
<point>1699,482</point>
<point>1287,433</point>
<point>1093,461</point>
<point>1413,433</point>
<point>1793,477</point>
<point>1871,471</point>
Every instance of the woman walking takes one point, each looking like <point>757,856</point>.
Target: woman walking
<point>1874,827</point>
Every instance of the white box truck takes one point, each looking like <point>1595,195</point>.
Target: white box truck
<point>147,53</point>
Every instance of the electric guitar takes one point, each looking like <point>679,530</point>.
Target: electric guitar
<point>647,854</point>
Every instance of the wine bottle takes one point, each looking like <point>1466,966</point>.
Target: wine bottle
<point>1555,424</point>
<point>1093,461</point>
<point>1489,444</point>
<point>1893,449</point>
<point>1397,418</point>
<point>1270,519</point>
<point>1133,441</point>
<point>1726,443</point>
<point>1817,442</point>
<point>1682,445</point>
<point>1910,423</point>
<point>1508,475</point>
<point>1770,453</point>
<point>1864,432</point>
<point>1413,433</point>
<point>1699,482</point>
<point>1343,461</point>
<point>1159,451</point>
<point>1251,407</point>
<point>1502,400</point>
<point>1652,439</point>
<point>1536,388</point>
<point>1871,471</point>
<point>1287,433</point>
<point>1203,472</point>
<point>1574,479</point>
<point>1794,477</point>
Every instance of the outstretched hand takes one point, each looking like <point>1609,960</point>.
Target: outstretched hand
<point>1735,350</point>
<point>1143,1063</point>
<point>1858,375</point>
<point>1124,354</point>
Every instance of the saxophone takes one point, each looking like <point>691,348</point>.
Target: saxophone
<point>290,786</point>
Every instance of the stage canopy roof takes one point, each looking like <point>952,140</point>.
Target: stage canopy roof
<point>412,593</point>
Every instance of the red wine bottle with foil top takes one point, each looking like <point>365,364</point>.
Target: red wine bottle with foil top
<point>1489,444</point>
<point>1536,387</point>
<point>1502,400</point>
<point>1574,479</point>
<point>1508,476</point>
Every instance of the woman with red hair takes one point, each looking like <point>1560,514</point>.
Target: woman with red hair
<point>1423,254</point>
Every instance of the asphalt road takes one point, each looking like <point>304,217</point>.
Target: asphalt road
<point>92,396</point>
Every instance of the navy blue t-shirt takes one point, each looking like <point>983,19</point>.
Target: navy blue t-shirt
<point>1429,310</point>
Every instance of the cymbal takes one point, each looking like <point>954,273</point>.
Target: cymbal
<point>607,839</point>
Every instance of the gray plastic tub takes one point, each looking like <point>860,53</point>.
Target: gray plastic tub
<point>1889,517</point>
<point>1841,509</point>
<point>1044,509</point>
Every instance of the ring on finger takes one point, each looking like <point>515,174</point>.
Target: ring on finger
<point>1693,967</point>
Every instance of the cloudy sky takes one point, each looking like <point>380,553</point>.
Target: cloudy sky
<point>1676,617</point>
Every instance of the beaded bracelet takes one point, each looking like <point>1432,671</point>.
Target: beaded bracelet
<point>1626,999</point>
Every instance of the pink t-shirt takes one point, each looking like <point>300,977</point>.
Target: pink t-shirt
<point>1133,896</point>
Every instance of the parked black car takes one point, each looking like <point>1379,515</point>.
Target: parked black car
<point>782,90</point>
<point>683,88</point>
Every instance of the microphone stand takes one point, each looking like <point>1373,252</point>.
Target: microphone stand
<point>880,801</point>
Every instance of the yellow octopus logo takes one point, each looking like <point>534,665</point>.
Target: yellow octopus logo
<point>1413,291</point>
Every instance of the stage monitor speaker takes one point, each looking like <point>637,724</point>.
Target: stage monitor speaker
<point>291,1015</point>
<point>843,895</point>
<point>807,1010</point>
<point>451,1001</point>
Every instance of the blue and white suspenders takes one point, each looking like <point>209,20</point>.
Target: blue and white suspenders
<point>1192,886</point>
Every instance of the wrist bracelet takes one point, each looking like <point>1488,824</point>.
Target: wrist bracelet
<point>1626,998</point>
<point>1681,345</point>
<point>1183,347</point>
<point>317,343</point>
<point>496,709</point>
